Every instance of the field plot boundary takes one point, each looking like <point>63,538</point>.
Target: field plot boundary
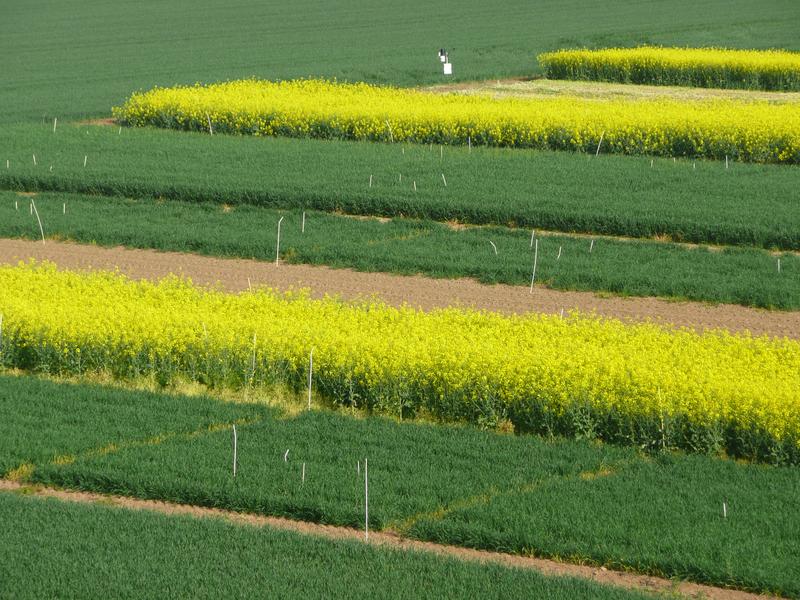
<point>236,275</point>
<point>546,567</point>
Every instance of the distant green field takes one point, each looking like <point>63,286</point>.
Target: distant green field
<point>579,500</point>
<point>76,58</point>
<point>630,267</point>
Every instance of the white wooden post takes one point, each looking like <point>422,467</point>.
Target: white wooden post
<point>278,246</point>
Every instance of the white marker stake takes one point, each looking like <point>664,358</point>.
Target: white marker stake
<point>535,258</point>
<point>33,207</point>
<point>65,208</point>
<point>401,178</point>
<point>726,161</point>
<point>310,374</point>
<point>591,247</point>
<point>303,226</point>
<point>16,205</point>
<point>366,502</point>
<point>404,150</point>
<point>779,265</point>
<point>445,180</point>
<point>389,127</point>
<point>469,144</point>
<point>234,450</point>
<point>493,246</point>
<point>694,165</point>
<point>599,143</point>
<point>441,152</point>
<point>118,133</point>
<point>85,158</point>
<point>34,160</point>
<point>533,233</point>
<point>559,253</point>
<point>210,130</point>
<point>55,123</point>
<point>253,365</point>
<point>562,313</point>
<point>278,246</point>
<point>286,456</point>
<point>249,285</point>
<point>724,510</point>
<point>370,181</point>
<point>303,477</point>
<point>8,165</point>
<point>651,163</point>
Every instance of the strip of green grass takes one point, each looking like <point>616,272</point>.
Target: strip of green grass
<point>521,494</point>
<point>748,205</point>
<point>638,268</point>
<point>64,57</point>
<point>56,549</point>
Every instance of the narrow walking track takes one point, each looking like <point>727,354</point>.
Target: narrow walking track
<point>547,567</point>
<point>422,292</point>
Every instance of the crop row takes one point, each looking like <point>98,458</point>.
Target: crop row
<point>732,275</point>
<point>581,376</point>
<point>749,131</point>
<point>745,205</point>
<point>589,502</point>
<point>701,67</point>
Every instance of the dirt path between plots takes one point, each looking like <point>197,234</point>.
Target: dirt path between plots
<point>417,291</point>
<point>544,566</point>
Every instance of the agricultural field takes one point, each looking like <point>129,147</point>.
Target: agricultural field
<point>278,294</point>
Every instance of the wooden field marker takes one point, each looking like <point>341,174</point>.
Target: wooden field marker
<point>599,144</point>
<point>210,129</point>
<point>559,253</point>
<point>278,245</point>
<point>726,161</point>
<point>303,476</point>
<point>724,510</point>
<point>370,181</point>
<point>85,158</point>
<point>469,144</point>
<point>535,258</point>
<point>34,160</point>
<point>533,233</point>
<point>366,502</point>
<point>8,164</point>
<point>310,374</point>
<point>234,450</point>
<point>65,208</point>
<point>33,208</point>
<point>591,247</point>
<point>286,456</point>
<point>779,265</point>
<point>303,223</point>
<point>415,186</point>
<point>445,180</point>
<point>55,124</point>
<point>494,247</point>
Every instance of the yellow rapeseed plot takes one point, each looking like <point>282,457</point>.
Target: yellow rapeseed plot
<point>704,67</point>
<point>752,131</point>
<point>541,372</point>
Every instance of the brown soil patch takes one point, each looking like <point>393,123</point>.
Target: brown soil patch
<point>106,122</point>
<point>547,567</point>
<point>26,194</point>
<point>597,90</point>
<point>422,292</point>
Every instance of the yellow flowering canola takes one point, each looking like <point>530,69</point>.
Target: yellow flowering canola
<point>541,372</point>
<point>715,128</point>
<point>704,67</point>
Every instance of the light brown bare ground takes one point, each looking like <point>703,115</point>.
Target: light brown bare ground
<point>598,90</point>
<point>416,291</point>
<point>385,539</point>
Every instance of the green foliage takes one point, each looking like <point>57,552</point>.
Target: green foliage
<point>628,267</point>
<point>523,494</point>
<point>73,59</point>
<point>746,205</point>
<point>57,549</point>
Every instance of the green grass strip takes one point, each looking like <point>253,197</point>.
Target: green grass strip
<point>523,494</point>
<point>747,205</point>
<point>58,549</point>
<point>635,268</point>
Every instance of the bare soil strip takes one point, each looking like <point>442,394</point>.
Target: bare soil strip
<point>547,567</point>
<point>422,292</point>
<point>599,90</point>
